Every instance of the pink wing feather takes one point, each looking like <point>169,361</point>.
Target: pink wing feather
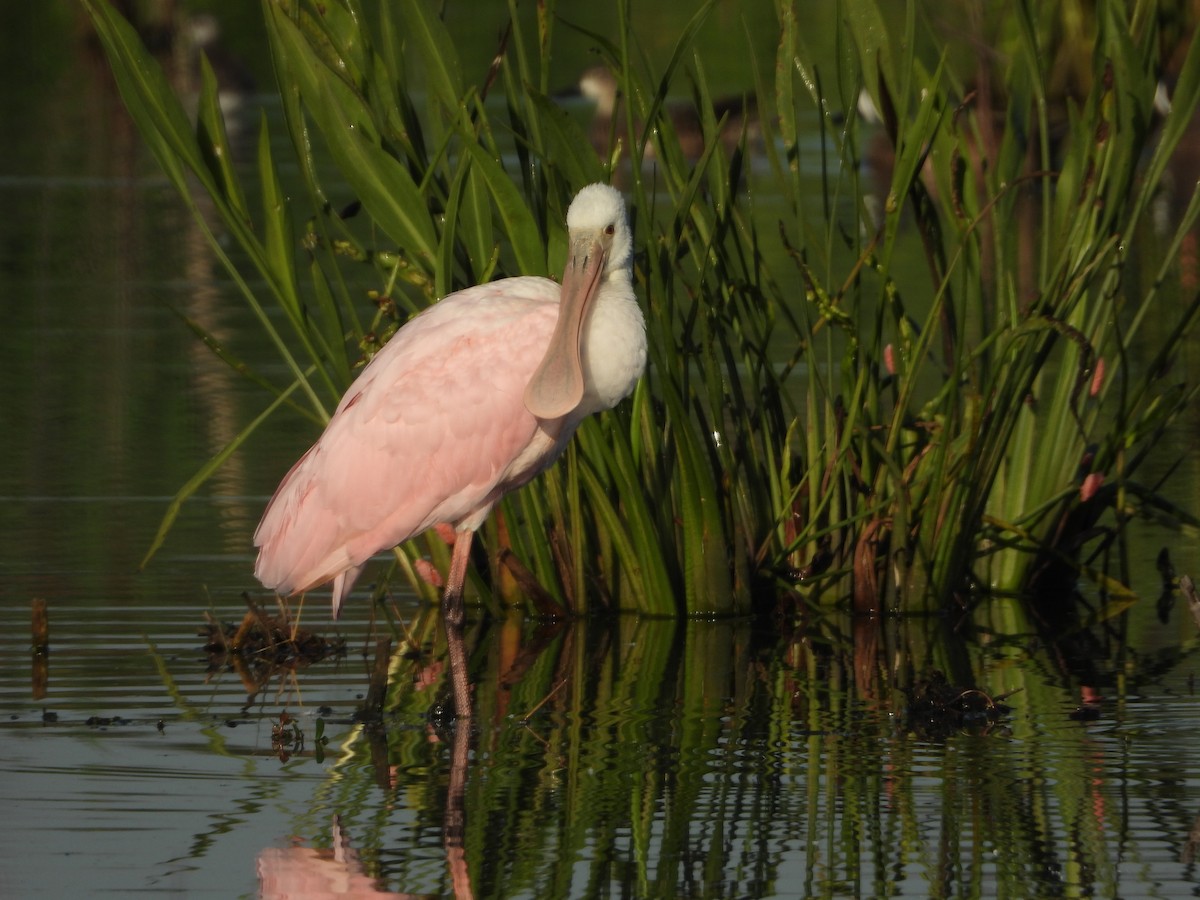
<point>427,433</point>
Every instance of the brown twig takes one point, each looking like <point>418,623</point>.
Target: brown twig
<point>554,690</point>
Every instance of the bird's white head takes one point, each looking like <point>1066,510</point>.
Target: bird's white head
<point>599,254</point>
<point>598,213</point>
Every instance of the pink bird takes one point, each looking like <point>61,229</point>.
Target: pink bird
<point>468,401</point>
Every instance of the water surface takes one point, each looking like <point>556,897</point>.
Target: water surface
<point>632,758</point>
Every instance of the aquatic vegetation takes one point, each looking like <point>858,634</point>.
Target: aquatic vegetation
<point>932,376</point>
<point>262,645</point>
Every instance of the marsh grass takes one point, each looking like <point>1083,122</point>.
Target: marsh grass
<point>819,413</point>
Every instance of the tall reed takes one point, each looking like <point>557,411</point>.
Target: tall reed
<point>819,413</point>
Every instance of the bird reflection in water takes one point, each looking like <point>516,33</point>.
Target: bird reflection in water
<point>286,873</point>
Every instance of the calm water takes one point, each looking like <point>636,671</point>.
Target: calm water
<point>633,759</point>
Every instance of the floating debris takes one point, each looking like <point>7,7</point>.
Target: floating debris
<point>261,645</point>
<point>105,721</point>
<point>286,737</point>
<point>1085,712</point>
<point>938,709</point>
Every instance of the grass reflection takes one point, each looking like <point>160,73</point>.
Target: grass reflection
<point>650,758</point>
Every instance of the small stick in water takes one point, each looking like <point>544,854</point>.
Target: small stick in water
<point>40,627</point>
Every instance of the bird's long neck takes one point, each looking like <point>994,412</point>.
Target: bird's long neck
<point>613,344</point>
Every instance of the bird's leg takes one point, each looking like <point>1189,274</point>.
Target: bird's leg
<point>452,599</point>
<point>454,827</point>
<point>452,616</point>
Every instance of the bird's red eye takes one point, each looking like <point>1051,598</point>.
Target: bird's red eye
<point>610,229</point>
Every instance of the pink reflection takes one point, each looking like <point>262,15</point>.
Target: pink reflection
<point>306,872</point>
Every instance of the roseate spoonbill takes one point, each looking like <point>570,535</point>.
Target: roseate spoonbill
<point>201,33</point>
<point>599,84</point>
<point>468,401</point>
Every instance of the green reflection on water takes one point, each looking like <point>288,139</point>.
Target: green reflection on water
<point>710,759</point>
